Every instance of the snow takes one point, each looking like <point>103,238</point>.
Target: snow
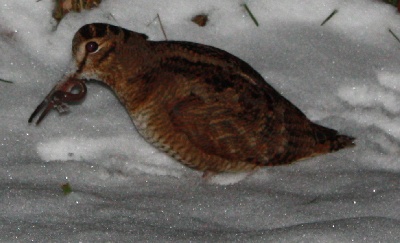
<point>344,75</point>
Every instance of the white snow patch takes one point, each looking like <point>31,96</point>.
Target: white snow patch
<point>109,151</point>
<point>390,80</point>
<point>370,96</point>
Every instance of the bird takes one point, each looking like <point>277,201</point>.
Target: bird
<point>201,105</point>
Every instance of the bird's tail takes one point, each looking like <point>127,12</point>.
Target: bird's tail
<point>328,140</point>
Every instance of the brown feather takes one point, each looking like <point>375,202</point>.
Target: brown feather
<point>203,106</point>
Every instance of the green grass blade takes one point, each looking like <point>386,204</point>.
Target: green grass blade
<point>329,17</point>
<point>394,35</point>
<point>251,14</point>
<point>6,81</point>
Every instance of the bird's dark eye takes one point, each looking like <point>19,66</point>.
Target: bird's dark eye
<point>91,46</point>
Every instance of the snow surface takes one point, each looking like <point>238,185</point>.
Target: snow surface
<point>344,75</point>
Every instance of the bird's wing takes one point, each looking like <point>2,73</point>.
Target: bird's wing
<point>231,111</point>
<point>231,117</point>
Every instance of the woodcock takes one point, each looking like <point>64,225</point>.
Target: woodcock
<point>201,105</point>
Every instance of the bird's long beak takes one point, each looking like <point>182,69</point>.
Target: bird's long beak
<point>68,90</point>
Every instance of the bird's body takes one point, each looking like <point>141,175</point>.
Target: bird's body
<point>203,106</point>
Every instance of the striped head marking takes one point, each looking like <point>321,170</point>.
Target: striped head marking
<point>98,48</point>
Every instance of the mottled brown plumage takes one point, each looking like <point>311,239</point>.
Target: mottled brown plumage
<point>201,105</point>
